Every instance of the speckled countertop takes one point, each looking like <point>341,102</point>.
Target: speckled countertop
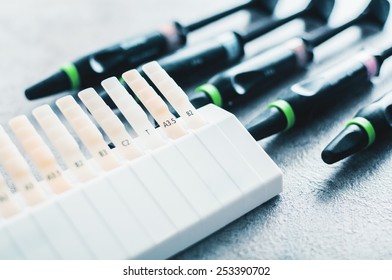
<point>342,211</point>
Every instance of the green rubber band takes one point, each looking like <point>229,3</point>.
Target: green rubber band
<point>367,126</point>
<point>287,110</point>
<point>73,74</point>
<point>213,92</point>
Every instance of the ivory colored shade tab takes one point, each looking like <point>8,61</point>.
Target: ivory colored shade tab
<point>174,94</point>
<point>134,114</point>
<point>65,144</point>
<point>8,205</point>
<point>17,167</point>
<point>110,123</point>
<point>88,133</point>
<point>154,104</point>
<point>40,154</point>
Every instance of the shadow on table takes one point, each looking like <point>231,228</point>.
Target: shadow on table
<point>353,170</point>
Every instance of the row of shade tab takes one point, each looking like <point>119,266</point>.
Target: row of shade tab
<point>30,191</point>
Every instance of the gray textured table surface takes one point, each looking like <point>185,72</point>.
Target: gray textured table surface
<point>342,211</point>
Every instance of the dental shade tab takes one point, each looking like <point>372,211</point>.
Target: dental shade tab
<point>110,123</point>
<point>65,144</point>
<point>174,94</point>
<point>133,113</point>
<point>154,104</point>
<point>18,169</point>
<point>87,132</point>
<point>40,154</point>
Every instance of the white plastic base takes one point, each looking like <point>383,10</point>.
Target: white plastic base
<point>155,206</point>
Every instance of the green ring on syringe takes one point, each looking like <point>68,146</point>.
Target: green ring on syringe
<point>367,127</point>
<point>287,110</point>
<point>73,74</point>
<point>213,93</point>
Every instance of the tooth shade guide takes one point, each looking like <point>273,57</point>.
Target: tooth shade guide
<point>88,133</point>
<point>64,143</point>
<point>170,197</point>
<point>174,94</point>
<point>40,154</point>
<point>18,169</point>
<point>133,113</point>
<point>154,104</point>
<point>111,124</point>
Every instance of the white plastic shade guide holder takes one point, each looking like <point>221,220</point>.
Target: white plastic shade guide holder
<point>65,144</point>
<point>234,163</point>
<point>191,187</point>
<point>153,206</point>
<point>139,200</point>
<point>88,133</point>
<point>190,181</point>
<point>133,113</point>
<point>90,226</point>
<point>19,171</point>
<point>174,94</point>
<point>60,232</point>
<point>187,180</point>
<point>8,205</point>
<point>124,225</point>
<point>250,150</point>
<point>8,249</point>
<point>154,104</point>
<point>40,154</point>
<point>29,238</point>
<point>170,199</point>
<point>213,175</point>
<point>111,124</point>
